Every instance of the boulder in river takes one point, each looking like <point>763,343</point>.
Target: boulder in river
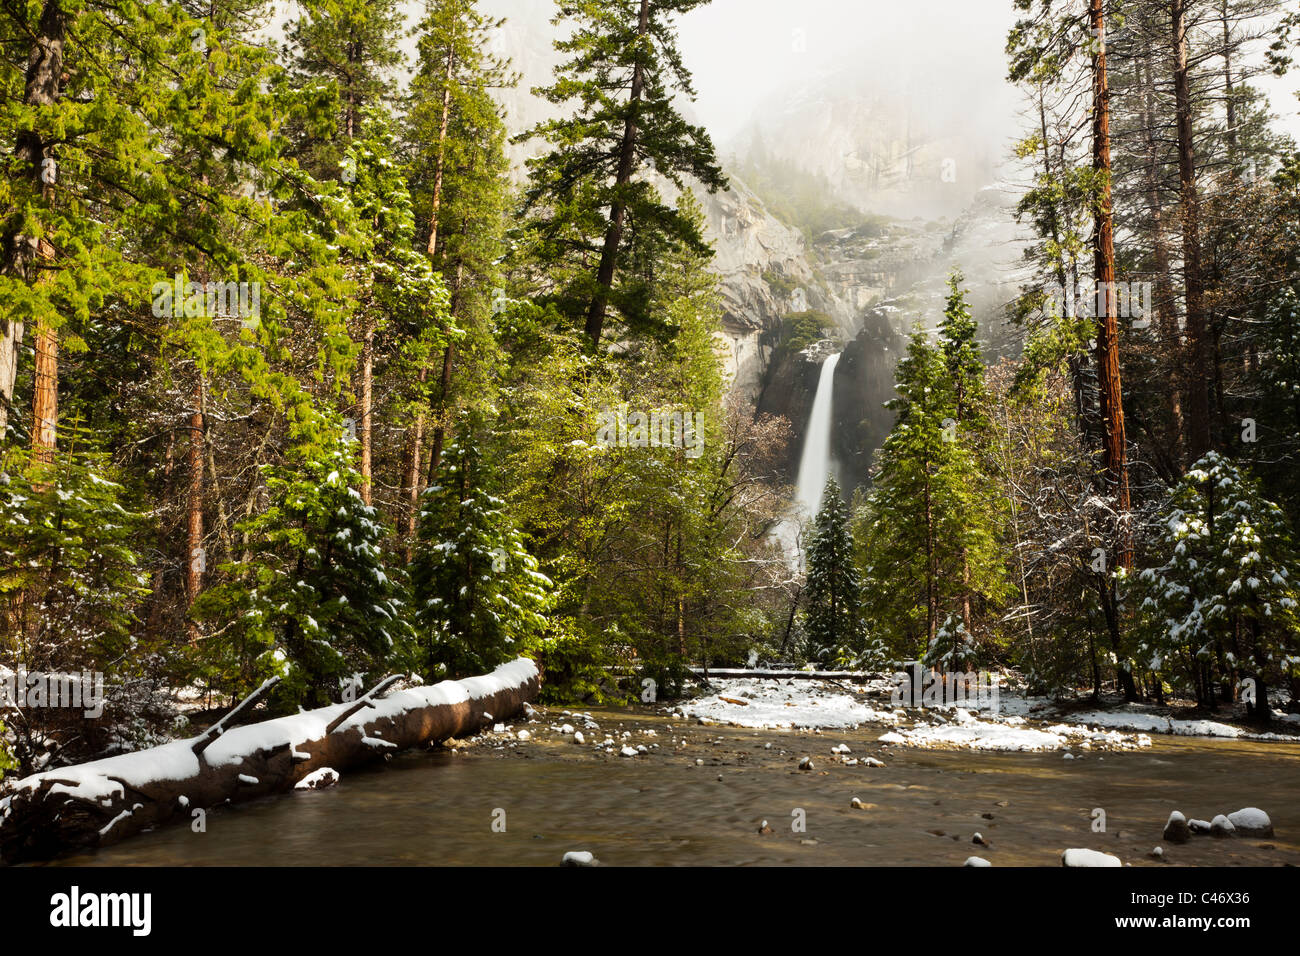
<point>1251,821</point>
<point>1177,830</point>
<point>1222,827</point>
<point>579,858</point>
<point>976,861</point>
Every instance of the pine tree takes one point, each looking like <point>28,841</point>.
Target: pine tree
<point>316,604</point>
<point>479,597</point>
<point>591,189</point>
<point>1227,594</point>
<point>930,527</point>
<point>460,183</point>
<point>69,571</point>
<point>833,618</point>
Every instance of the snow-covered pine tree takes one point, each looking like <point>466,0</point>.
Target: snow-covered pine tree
<point>316,603</point>
<point>833,611</point>
<point>1226,591</point>
<point>478,594</point>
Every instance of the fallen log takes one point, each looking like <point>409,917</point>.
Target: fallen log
<point>96,804</point>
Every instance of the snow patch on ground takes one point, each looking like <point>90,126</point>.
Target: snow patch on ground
<point>970,733</point>
<point>791,704</point>
<point>1155,723</point>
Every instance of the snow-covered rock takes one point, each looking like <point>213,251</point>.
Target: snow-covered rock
<point>579,858</point>
<point>976,861</point>
<point>1251,821</point>
<point>1221,826</point>
<point>1088,858</point>
<point>1176,829</point>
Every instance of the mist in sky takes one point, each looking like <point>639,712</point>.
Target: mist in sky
<point>748,52</point>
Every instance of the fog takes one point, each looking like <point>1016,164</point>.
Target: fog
<point>941,54</point>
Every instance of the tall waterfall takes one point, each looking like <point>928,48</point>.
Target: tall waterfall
<point>815,466</point>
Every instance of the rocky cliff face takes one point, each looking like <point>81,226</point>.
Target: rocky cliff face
<point>765,276</point>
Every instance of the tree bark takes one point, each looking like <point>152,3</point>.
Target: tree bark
<point>1110,390</point>
<point>1229,91</point>
<point>1197,358</point>
<point>618,213</point>
<point>45,391</point>
<point>195,555</point>
<point>367,406</point>
<point>41,89</point>
<point>11,340</point>
<point>1164,297</point>
<point>416,441</point>
<point>444,380</point>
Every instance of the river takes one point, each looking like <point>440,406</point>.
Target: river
<point>528,804</point>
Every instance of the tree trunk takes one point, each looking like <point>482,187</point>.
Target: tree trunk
<point>11,340</point>
<point>415,445</point>
<point>931,595</point>
<point>1197,358</point>
<point>440,429</point>
<point>1229,91</point>
<point>1110,391</point>
<point>444,380</point>
<point>45,391</point>
<point>1164,297</point>
<point>120,796</point>
<point>367,403</point>
<point>41,89</point>
<point>440,165</point>
<point>618,213</point>
<point>195,555</point>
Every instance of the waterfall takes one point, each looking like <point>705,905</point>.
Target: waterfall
<point>815,466</point>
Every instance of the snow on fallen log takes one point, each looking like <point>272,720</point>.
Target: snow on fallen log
<point>99,803</point>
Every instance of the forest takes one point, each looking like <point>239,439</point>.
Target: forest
<point>305,374</point>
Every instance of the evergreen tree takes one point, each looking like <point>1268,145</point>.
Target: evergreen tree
<point>316,604</point>
<point>930,527</point>
<point>591,189</point>
<point>459,177</point>
<point>833,614</point>
<point>69,572</point>
<point>478,594</point>
<point>1226,594</point>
